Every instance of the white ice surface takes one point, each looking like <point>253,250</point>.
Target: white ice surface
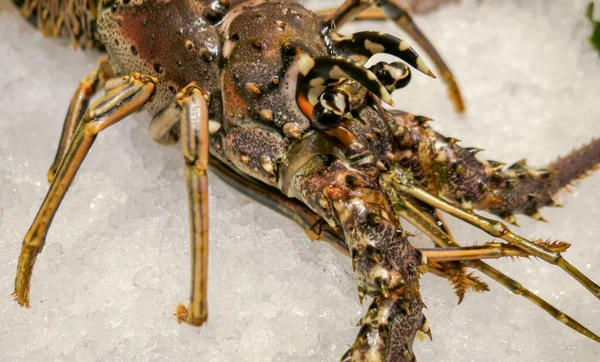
<point>116,261</point>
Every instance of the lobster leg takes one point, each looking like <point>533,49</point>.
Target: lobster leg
<point>195,148</point>
<point>486,251</point>
<point>403,183</point>
<point>399,14</point>
<point>317,229</point>
<point>409,212</point>
<point>306,218</point>
<point>108,110</point>
<point>88,87</point>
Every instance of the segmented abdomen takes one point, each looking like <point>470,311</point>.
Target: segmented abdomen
<point>75,19</point>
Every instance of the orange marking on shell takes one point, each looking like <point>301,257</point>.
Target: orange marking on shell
<point>253,88</point>
<point>305,106</point>
<point>342,134</point>
<point>334,193</point>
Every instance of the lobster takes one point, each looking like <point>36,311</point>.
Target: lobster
<point>316,131</point>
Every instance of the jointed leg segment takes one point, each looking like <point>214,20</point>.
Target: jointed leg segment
<point>111,108</point>
<point>478,252</point>
<point>409,212</point>
<point>195,148</point>
<point>87,88</point>
<point>496,229</point>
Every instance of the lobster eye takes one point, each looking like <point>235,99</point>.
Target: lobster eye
<point>329,112</point>
<point>323,118</point>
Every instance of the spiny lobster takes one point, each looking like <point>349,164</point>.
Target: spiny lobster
<point>356,165</point>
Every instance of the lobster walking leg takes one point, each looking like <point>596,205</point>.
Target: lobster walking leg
<point>195,148</point>
<point>399,14</point>
<point>317,229</point>
<point>408,212</point>
<point>402,182</point>
<point>111,108</point>
<point>478,252</point>
<point>87,88</point>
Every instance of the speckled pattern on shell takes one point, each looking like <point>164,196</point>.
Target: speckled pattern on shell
<point>253,81</point>
<point>171,40</point>
<point>240,55</point>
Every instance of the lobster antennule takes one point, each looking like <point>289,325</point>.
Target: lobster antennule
<point>315,74</point>
<point>392,75</point>
<point>363,45</point>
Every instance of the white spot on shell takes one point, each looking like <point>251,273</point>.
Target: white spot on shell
<point>314,93</point>
<point>373,47</point>
<point>360,59</point>
<point>305,64</point>
<point>385,95</point>
<point>340,103</point>
<point>336,73</point>
<point>394,72</point>
<point>317,82</point>
<point>372,76</point>
<point>338,38</point>
<point>228,48</point>
<point>422,66</point>
<point>403,45</point>
<point>213,127</point>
